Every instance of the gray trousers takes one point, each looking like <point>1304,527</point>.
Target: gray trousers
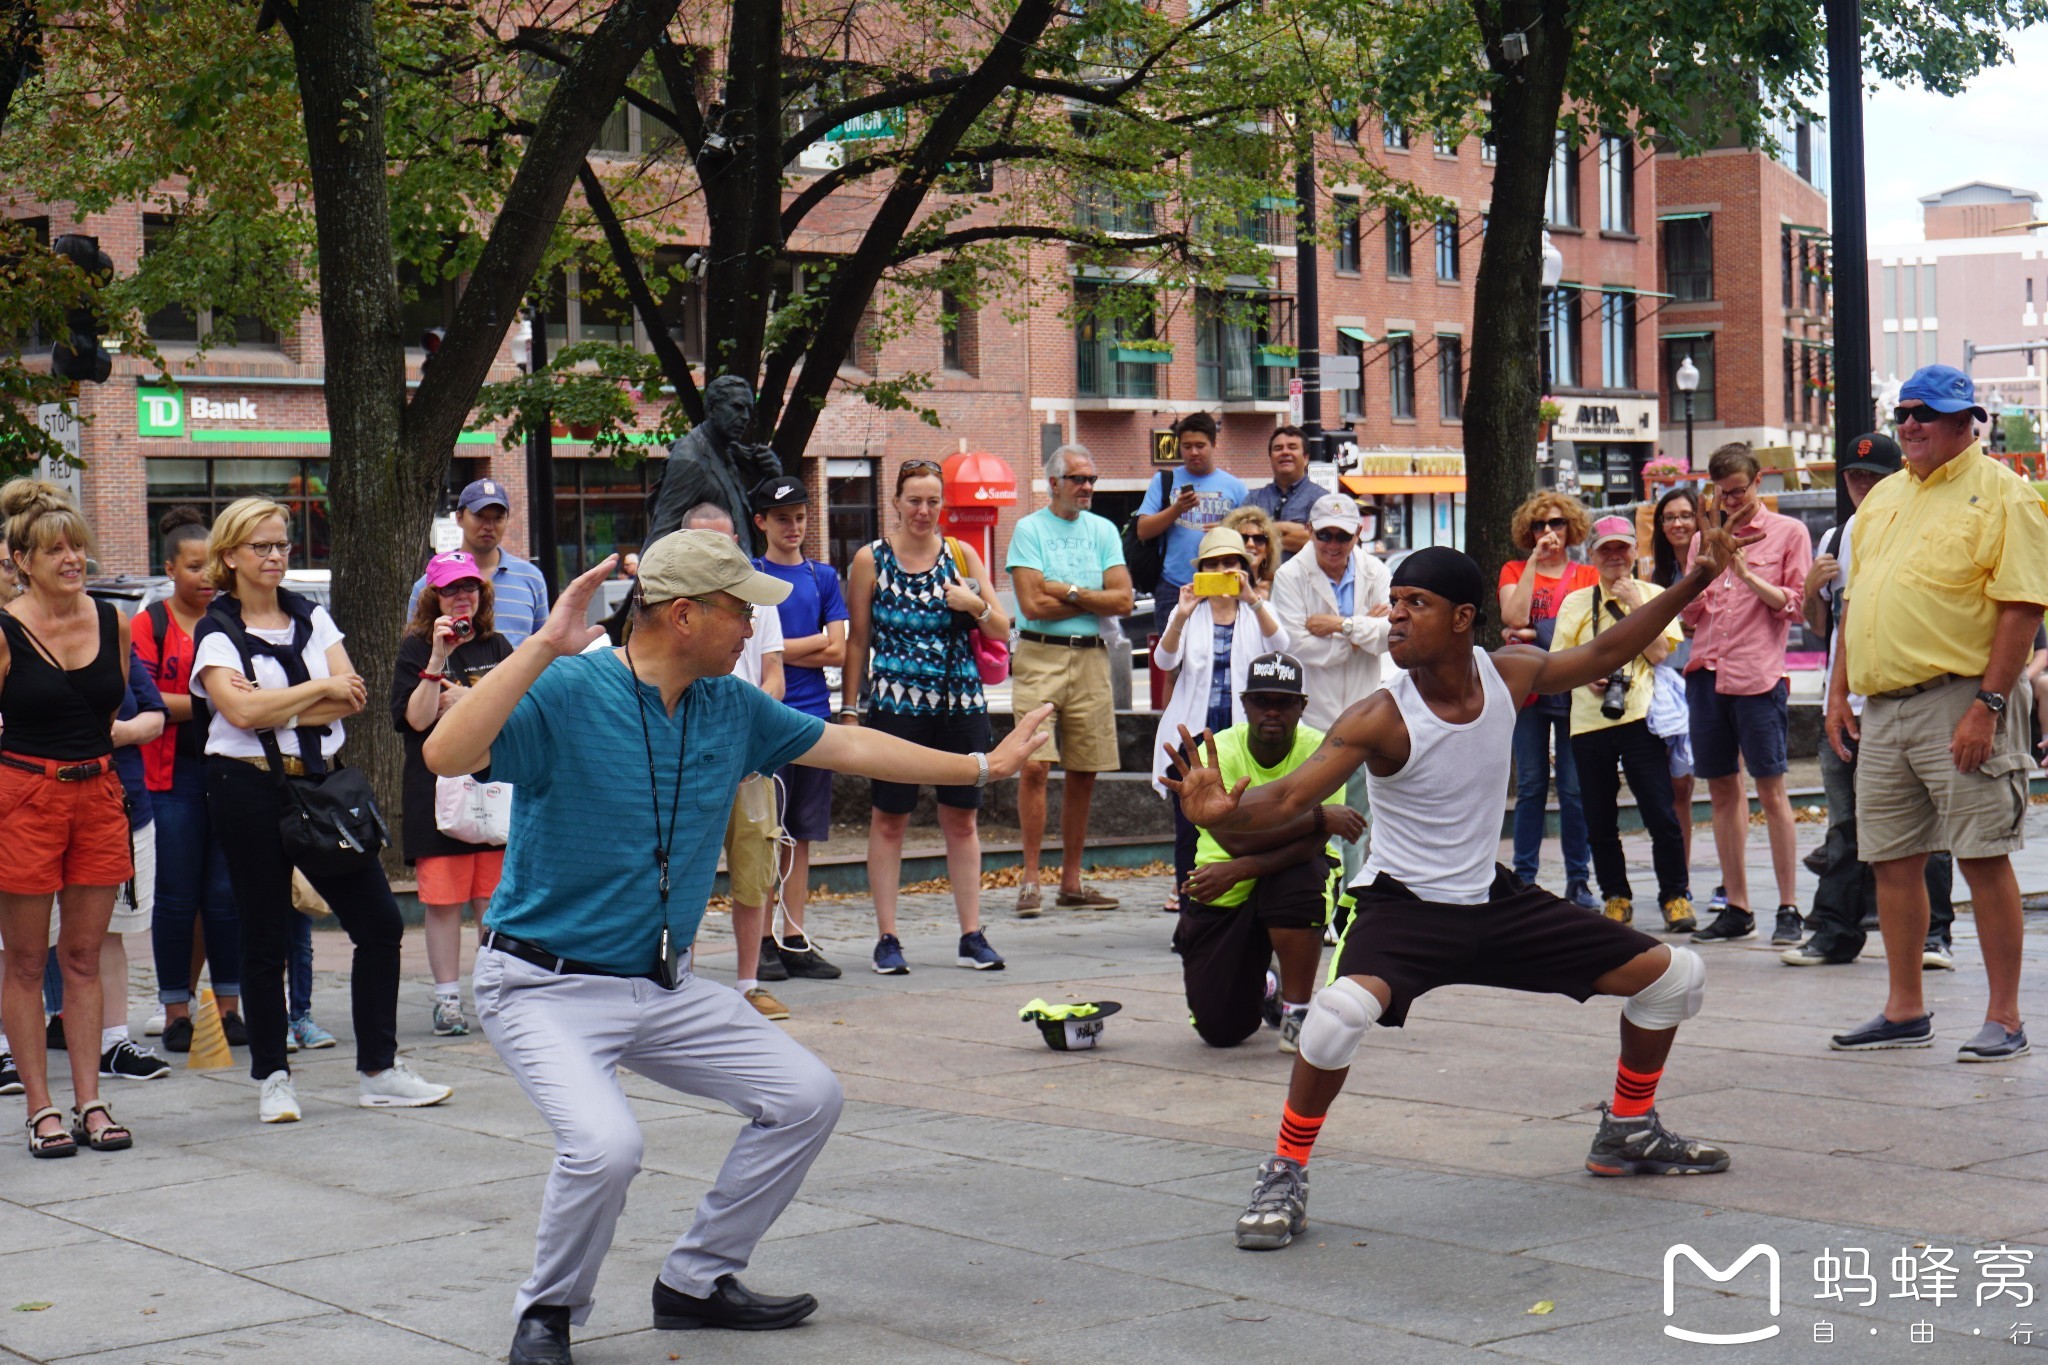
<point>564,1038</point>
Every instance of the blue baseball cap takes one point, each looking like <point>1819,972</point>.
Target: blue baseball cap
<point>483,493</point>
<point>1943,388</point>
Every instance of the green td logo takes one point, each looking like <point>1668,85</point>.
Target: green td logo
<point>159,412</point>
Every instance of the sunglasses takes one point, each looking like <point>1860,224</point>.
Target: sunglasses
<point>1330,535</point>
<point>1086,479</point>
<point>1915,412</point>
<point>930,466</point>
<point>1256,540</point>
<point>1555,524</point>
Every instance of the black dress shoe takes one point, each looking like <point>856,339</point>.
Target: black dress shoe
<point>771,968</point>
<point>542,1337</point>
<point>729,1304</point>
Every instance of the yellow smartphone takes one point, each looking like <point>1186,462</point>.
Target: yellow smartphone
<point>1215,584</point>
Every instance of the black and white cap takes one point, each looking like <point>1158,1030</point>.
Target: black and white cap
<point>780,491</point>
<point>1275,672</point>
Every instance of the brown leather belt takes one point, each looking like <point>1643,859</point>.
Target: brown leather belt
<point>294,766</point>
<point>58,770</point>
<point>1939,680</point>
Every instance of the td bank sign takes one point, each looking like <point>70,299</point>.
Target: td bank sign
<point>163,412</point>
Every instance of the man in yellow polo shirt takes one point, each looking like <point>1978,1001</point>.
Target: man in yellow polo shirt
<point>1951,576</point>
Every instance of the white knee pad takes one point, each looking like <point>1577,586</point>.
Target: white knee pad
<point>1338,1017</point>
<point>1672,998</point>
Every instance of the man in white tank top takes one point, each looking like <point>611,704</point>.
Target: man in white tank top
<point>1433,907</point>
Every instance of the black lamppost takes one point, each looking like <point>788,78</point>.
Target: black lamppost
<point>1553,271</point>
<point>1687,379</point>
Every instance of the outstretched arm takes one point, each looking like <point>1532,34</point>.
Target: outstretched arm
<point>870,753</point>
<point>1362,732</point>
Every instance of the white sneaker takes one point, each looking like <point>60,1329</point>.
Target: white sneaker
<point>400,1088</point>
<point>280,1103</point>
<point>155,1027</point>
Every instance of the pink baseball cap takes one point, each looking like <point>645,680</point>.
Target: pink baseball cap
<point>1612,528</point>
<point>453,567</point>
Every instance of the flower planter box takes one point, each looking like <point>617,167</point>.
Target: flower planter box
<point>1270,361</point>
<point>1132,355</point>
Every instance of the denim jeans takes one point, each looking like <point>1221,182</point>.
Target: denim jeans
<point>1534,736</point>
<point>191,884</point>
<point>299,974</point>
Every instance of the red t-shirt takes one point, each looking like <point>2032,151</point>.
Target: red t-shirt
<point>1549,593</point>
<point>169,662</point>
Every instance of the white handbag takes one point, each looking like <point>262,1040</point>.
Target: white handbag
<point>1670,713</point>
<point>473,812</point>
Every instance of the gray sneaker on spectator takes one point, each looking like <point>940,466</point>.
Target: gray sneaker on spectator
<point>1994,1044</point>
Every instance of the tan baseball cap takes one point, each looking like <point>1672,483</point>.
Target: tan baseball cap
<point>698,563</point>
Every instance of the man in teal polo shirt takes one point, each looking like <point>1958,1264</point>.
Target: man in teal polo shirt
<point>627,762</point>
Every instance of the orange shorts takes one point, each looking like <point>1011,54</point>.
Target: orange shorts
<point>61,834</point>
<point>459,877</point>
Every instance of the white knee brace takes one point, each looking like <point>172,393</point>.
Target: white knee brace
<point>1338,1017</point>
<point>1672,998</point>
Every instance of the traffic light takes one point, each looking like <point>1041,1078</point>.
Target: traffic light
<point>82,356</point>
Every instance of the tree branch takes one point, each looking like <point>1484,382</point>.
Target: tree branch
<point>825,185</point>
<point>824,123</point>
<point>680,76</point>
<point>912,246</point>
<point>673,363</point>
<point>527,42</point>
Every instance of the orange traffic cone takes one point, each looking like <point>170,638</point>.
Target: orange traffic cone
<point>210,1050</point>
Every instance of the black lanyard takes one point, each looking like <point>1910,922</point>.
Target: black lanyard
<point>663,840</point>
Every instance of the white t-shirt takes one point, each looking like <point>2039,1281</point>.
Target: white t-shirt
<point>217,649</point>
<point>766,639</point>
<point>1832,594</point>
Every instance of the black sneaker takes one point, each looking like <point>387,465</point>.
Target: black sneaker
<point>1815,952</point>
<point>771,968</point>
<point>1789,926</point>
<point>125,1061</point>
<point>178,1035</point>
<point>1732,923</point>
<point>10,1079</point>
<point>1644,1146</point>
<point>53,1033</point>
<point>1937,956</point>
<point>1883,1033</point>
<point>238,1033</point>
<point>1278,1212</point>
<point>801,958</point>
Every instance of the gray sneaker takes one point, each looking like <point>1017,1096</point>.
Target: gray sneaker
<point>1278,1212</point>
<point>1644,1146</point>
<point>448,1020</point>
<point>1994,1044</point>
<point>1290,1031</point>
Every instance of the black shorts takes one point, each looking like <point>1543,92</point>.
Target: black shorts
<point>806,802</point>
<point>1522,938</point>
<point>962,732</point>
<point>1224,950</point>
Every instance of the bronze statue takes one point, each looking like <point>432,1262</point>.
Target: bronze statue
<point>711,464</point>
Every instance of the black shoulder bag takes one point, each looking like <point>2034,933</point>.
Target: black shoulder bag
<point>1146,559</point>
<point>328,820</point>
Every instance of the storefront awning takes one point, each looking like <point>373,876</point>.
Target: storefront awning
<point>976,478</point>
<point>1356,334</point>
<point>1367,484</point>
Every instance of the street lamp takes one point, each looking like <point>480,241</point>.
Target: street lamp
<point>1553,271</point>
<point>1687,379</point>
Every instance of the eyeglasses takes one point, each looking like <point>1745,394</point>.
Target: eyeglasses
<point>1330,535</point>
<point>1914,412</point>
<point>745,610</point>
<point>1081,478</point>
<point>266,548</point>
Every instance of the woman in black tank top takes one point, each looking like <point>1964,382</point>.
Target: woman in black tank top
<point>63,669</point>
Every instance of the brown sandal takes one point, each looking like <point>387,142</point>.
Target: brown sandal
<point>47,1145</point>
<point>111,1137</point>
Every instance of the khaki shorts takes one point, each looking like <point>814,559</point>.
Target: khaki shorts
<point>750,852</point>
<point>1909,797</point>
<point>1076,682</point>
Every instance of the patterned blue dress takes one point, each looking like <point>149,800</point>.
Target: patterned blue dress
<point>920,662</point>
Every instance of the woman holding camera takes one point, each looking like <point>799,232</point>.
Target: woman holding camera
<point>1611,732</point>
<point>267,659</point>
<point>449,644</point>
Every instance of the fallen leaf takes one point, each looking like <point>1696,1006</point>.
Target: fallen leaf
<point>36,1307</point>
<point>1358,1244</point>
<point>1543,1307</point>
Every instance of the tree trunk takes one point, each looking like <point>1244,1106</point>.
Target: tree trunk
<point>379,504</point>
<point>1500,402</point>
<point>743,194</point>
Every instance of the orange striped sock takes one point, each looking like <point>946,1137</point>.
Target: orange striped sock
<point>1297,1134</point>
<point>1635,1092</point>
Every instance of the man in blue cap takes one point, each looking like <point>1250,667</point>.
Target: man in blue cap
<point>1951,577</point>
<point>519,595</point>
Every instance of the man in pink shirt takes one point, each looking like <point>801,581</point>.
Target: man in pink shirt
<point>1736,685</point>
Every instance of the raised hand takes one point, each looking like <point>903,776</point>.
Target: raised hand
<point>1203,797</point>
<point>1723,538</point>
<point>1027,737</point>
<point>565,631</point>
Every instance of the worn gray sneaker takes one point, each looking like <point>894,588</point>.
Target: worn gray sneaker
<point>1644,1146</point>
<point>1994,1044</point>
<point>1279,1209</point>
<point>1290,1030</point>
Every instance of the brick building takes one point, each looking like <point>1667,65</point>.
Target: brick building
<point>1395,302</point>
<point>1748,270</point>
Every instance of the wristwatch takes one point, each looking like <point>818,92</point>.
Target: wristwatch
<point>1073,594</point>
<point>1993,702</point>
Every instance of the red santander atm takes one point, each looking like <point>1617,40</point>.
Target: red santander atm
<point>977,483</point>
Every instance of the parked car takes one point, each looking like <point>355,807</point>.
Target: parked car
<point>132,593</point>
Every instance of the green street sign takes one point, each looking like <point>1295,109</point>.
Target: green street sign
<point>158,412</point>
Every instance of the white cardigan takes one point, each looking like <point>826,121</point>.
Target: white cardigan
<point>1196,660</point>
<point>1337,669</point>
